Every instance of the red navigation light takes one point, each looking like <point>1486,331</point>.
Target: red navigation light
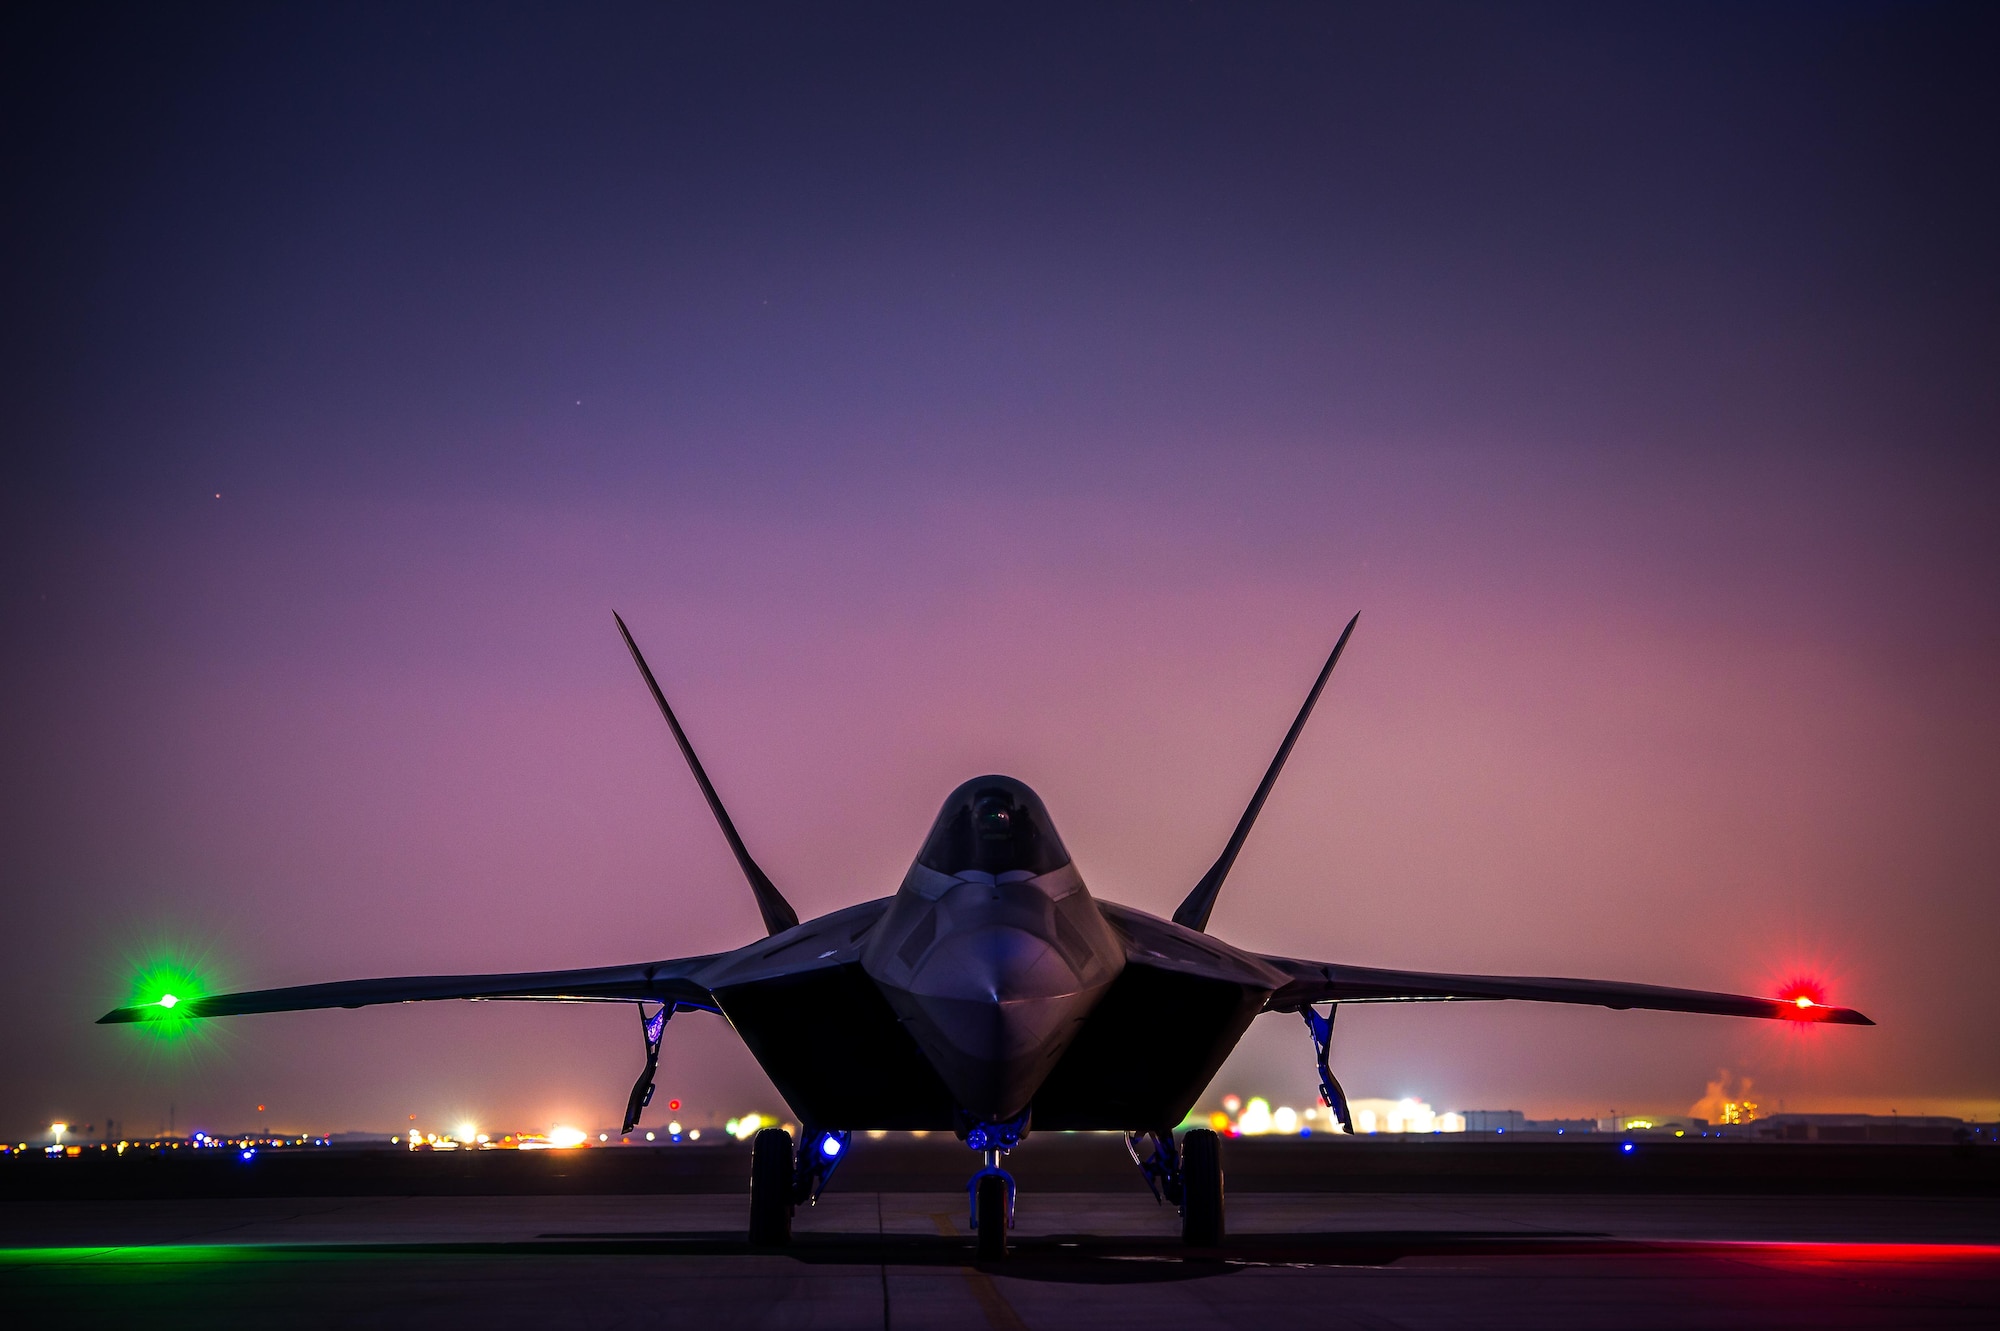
<point>674,1106</point>
<point>1805,995</point>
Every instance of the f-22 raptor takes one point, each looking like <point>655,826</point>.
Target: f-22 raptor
<point>991,994</point>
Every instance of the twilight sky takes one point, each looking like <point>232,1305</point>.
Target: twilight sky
<point>956,389</point>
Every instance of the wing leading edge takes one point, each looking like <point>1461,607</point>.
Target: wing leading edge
<point>658,981</point>
<point>1321,982</point>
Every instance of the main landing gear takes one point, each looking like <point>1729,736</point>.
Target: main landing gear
<point>779,1183</point>
<point>771,1188</point>
<point>1188,1174</point>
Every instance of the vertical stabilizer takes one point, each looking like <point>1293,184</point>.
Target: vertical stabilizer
<point>1195,910</point>
<point>777,912</point>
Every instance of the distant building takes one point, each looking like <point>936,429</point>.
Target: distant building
<point>1861,1128</point>
<point>1679,1125</point>
<point>1503,1121</point>
<point>1407,1115</point>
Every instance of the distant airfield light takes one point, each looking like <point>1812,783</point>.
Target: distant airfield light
<point>673,1129</point>
<point>694,1135</point>
<point>649,1136</point>
<point>468,1132</point>
<point>604,1136</point>
<point>567,1137</point>
<point>673,1106</point>
<point>56,1130</point>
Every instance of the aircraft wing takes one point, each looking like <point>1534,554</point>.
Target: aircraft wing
<point>657,981</point>
<point>1322,982</point>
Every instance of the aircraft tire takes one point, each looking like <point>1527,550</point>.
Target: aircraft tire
<point>992,1214</point>
<point>771,1188</point>
<point>1201,1203</point>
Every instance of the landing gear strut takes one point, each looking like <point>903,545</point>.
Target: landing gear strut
<point>820,1153</point>
<point>1160,1163</point>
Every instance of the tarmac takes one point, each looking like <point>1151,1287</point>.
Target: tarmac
<point>1098,1259</point>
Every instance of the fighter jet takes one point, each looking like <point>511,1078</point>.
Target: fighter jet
<point>991,995</point>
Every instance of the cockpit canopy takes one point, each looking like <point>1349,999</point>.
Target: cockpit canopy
<point>993,825</point>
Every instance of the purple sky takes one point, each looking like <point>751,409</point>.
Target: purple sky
<point>999,392</point>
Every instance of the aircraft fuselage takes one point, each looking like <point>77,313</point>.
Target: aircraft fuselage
<point>964,997</point>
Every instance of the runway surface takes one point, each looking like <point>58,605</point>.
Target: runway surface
<point>903,1261</point>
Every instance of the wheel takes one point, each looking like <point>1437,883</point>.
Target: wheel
<point>771,1188</point>
<point>992,1211</point>
<point>1201,1202</point>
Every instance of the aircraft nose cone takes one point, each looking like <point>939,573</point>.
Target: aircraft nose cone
<point>995,1008</point>
<point>997,964</point>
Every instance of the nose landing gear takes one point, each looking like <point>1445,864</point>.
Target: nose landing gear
<point>991,1191</point>
<point>992,1195</point>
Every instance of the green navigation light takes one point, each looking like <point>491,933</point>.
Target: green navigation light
<point>168,988</point>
